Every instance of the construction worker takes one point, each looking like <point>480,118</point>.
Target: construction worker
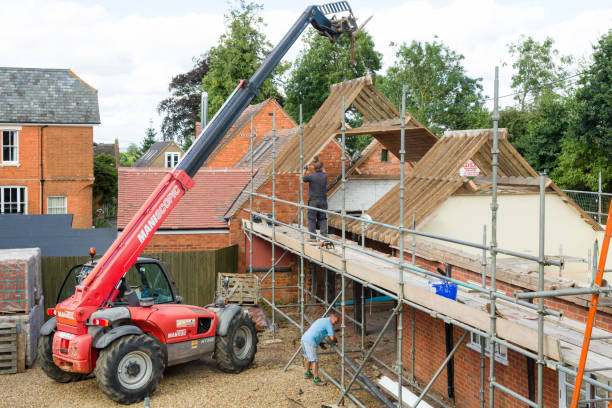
<point>311,339</point>
<point>317,197</point>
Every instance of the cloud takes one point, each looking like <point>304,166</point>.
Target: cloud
<point>131,58</point>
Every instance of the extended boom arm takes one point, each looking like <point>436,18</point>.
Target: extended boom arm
<point>101,286</point>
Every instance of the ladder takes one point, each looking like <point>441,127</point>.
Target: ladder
<point>592,310</point>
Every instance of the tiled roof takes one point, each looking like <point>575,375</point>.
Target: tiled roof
<point>151,154</point>
<point>104,148</point>
<point>202,207</point>
<point>241,122</point>
<point>46,96</point>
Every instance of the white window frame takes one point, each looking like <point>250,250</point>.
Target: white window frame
<point>501,351</point>
<point>65,208</point>
<point>588,391</point>
<point>175,157</point>
<point>24,198</point>
<point>15,146</point>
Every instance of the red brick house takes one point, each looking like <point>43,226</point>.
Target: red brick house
<point>46,123</point>
<point>236,142</point>
<point>197,222</point>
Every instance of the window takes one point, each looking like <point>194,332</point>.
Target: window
<point>501,351</point>
<point>597,395</point>
<point>172,159</point>
<point>384,155</point>
<point>56,205</point>
<point>10,147</point>
<point>13,200</point>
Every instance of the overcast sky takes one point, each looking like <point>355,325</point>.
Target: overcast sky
<point>129,50</point>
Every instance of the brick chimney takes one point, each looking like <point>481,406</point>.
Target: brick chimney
<point>197,130</point>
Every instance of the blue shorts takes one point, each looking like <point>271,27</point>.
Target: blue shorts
<point>310,352</point>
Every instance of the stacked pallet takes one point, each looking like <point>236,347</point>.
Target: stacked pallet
<point>242,289</point>
<point>21,308</point>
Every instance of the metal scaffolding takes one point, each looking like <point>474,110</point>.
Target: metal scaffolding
<point>352,372</point>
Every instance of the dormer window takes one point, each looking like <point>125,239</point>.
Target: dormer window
<point>172,159</point>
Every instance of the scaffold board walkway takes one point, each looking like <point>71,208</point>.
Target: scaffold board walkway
<point>517,324</point>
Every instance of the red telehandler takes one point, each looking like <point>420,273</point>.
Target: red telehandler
<point>123,322</point>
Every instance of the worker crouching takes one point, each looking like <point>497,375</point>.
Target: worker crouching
<point>311,339</point>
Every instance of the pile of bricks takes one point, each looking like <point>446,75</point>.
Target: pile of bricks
<point>21,299</point>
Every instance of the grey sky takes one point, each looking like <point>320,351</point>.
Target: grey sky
<point>129,50</point>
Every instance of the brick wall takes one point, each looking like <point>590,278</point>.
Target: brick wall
<point>187,242</point>
<point>240,144</point>
<point>375,166</point>
<point>331,156</point>
<point>67,169</point>
<point>430,352</point>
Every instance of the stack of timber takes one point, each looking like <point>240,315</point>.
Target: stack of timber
<point>21,303</point>
<point>517,324</point>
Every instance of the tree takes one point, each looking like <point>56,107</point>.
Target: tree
<point>105,179</point>
<point>587,145</point>
<point>321,64</point>
<point>537,133</point>
<point>539,67</point>
<point>149,139</point>
<point>128,158</point>
<point>182,109</point>
<point>241,50</point>
<point>440,94</point>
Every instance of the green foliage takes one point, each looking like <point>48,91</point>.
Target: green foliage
<point>241,49</point>
<point>181,109</point>
<point>439,92</point>
<point>105,174</point>
<point>587,145</point>
<point>321,64</point>
<point>537,132</point>
<point>149,139</point>
<point>537,65</point>
<point>128,158</point>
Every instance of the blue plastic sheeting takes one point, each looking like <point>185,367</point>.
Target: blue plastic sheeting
<point>369,300</point>
<point>53,234</point>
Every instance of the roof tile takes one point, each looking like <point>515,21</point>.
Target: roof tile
<point>203,206</point>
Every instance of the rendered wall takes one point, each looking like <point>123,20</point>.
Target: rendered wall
<point>462,217</point>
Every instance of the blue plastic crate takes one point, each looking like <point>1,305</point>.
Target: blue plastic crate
<point>443,288</point>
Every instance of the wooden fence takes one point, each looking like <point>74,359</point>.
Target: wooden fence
<point>194,272</point>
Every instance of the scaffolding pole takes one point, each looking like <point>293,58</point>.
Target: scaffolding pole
<point>342,277</point>
<point>301,224</point>
<point>493,245</point>
<point>541,361</point>
<point>273,219</point>
<point>400,279</point>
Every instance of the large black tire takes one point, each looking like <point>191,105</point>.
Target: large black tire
<point>235,351</point>
<point>45,356</point>
<point>129,369</point>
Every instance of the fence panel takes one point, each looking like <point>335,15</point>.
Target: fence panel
<point>194,272</point>
<point>54,270</point>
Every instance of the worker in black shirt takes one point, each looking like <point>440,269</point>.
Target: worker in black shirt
<point>317,197</point>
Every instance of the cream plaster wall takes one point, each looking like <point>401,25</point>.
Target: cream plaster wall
<point>462,217</point>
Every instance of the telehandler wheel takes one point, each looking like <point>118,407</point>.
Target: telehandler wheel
<point>130,368</point>
<point>45,356</point>
<point>235,351</point>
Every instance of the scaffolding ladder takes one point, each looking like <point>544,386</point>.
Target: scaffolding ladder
<point>592,311</point>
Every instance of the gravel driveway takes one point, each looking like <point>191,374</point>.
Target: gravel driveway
<point>195,384</point>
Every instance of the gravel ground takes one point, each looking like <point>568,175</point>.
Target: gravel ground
<point>196,384</point>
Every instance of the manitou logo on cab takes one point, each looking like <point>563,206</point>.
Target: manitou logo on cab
<point>163,207</point>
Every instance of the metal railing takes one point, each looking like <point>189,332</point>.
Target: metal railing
<point>594,203</point>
